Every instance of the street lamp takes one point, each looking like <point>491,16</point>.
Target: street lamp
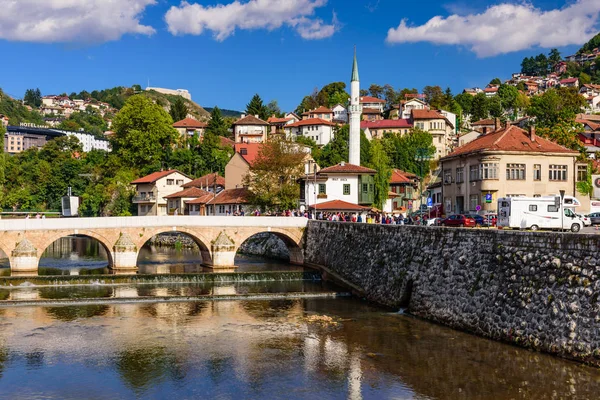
<point>421,156</point>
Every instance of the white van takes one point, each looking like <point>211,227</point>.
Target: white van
<point>538,213</point>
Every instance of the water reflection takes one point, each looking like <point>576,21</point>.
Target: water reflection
<point>267,349</point>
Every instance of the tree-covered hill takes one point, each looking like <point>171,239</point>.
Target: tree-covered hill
<point>591,45</point>
<point>17,112</point>
<point>225,112</point>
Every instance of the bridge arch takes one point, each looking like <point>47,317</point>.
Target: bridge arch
<point>6,250</point>
<point>201,240</point>
<point>292,239</point>
<point>106,243</point>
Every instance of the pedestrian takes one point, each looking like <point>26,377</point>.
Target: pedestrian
<point>37,216</point>
<point>359,219</point>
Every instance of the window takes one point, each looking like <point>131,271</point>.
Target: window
<point>170,181</point>
<point>447,176</point>
<point>221,209</point>
<point>581,173</point>
<point>365,188</point>
<point>322,188</point>
<point>552,208</point>
<point>537,172</point>
<point>371,187</point>
<point>460,175</point>
<point>488,171</point>
<point>558,173</point>
<point>473,173</point>
<point>532,207</point>
<point>515,172</point>
<point>346,189</point>
<point>179,182</point>
<point>473,202</point>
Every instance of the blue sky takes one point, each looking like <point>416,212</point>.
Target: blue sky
<point>224,52</point>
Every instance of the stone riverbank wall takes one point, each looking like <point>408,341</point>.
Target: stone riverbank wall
<point>537,290</point>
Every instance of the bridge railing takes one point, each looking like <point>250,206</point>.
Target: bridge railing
<point>150,222</point>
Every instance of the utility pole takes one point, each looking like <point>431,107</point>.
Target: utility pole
<point>421,156</point>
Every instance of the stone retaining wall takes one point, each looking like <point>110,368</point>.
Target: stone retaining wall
<point>537,290</point>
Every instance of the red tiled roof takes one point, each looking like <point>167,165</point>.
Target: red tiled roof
<point>484,122</point>
<point>321,110</point>
<point>490,90</point>
<point>569,80</point>
<point>252,150</point>
<point>510,139</point>
<point>310,121</point>
<point>189,192</point>
<point>399,176</point>
<point>426,114</point>
<point>339,205</point>
<point>206,180</point>
<point>202,199</point>
<point>386,123</point>
<point>226,142</point>
<point>189,123</point>
<point>250,120</point>
<point>153,177</point>
<point>369,99</point>
<point>593,125</point>
<point>371,111</point>
<point>232,196</point>
<point>345,168</point>
<point>274,120</point>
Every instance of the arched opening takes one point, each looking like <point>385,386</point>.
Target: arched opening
<point>173,252</point>
<point>75,255</point>
<point>4,263</point>
<point>266,251</point>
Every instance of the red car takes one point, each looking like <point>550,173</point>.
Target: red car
<point>459,220</point>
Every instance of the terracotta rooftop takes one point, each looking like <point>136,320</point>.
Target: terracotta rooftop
<point>310,121</point>
<point>386,123</point>
<point>569,80</point>
<point>202,199</point>
<point>339,205</point>
<point>321,110</point>
<point>153,177</point>
<point>206,181</point>
<point>426,114</point>
<point>232,196</point>
<point>345,168</point>
<point>370,99</point>
<point>250,120</point>
<point>189,123</point>
<point>248,151</point>
<point>274,120</point>
<point>484,122</point>
<point>510,139</point>
<point>399,176</point>
<point>371,111</point>
<point>226,142</point>
<point>594,125</point>
<point>189,192</point>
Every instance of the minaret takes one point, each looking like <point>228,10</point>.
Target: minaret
<point>355,112</point>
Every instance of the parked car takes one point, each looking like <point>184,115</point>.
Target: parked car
<point>479,220</point>
<point>459,220</point>
<point>587,221</point>
<point>594,218</point>
<point>491,219</point>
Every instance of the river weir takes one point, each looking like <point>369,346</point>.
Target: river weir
<point>267,330</point>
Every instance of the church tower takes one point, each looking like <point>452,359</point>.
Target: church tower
<point>355,111</point>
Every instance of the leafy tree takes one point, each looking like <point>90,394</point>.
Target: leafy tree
<point>273,175</point>
<point>554,57</point>
<point>2,160</point>
<point>495,107</point>
<point>541,63</point>
<point>521,86</point>
<point>332,94</point>
<point>584,78</point>
<point>390,95</point>
<point>556,106</point>
<point>308,103</point>
<point>586,187</point>
<point>376,90</point>
<point>402,149</point>
<point>144,134</point>
<point>217,125</point>
<point>528,66</point>
<point>256,107</point>
<point>522,102</point>
<point>590,45</point>
<point>381,163</point>
<point>364,92</point>
<point>434,96</point>
<point>214,157</point>
<point>336,151</point>
<point>496,81</point>
<point>178,110</point>
<point>33,97</point>
<point>273,109</point>
<point>479,108</point>
<point>465,100</point>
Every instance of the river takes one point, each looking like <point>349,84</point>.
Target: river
<point>244,339</point>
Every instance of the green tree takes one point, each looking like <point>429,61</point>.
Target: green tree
<point>554,58</point>
<point>217,125</point>
<point>508,96</point>
<point>390,95</point>
<point>434,96</point>
<point>465,100</point>
<point>33,97</point>
<point>541,65</point>
<point>273,109</point>
<point>402,149</point>
<point>528,66</point>
<point>144,134</point>
<point>274,173</point>
<point>178,110</point>
<point>336,151</point>
<point>332,94</point>
<point>479,108</point>
<point>584,78</point>
<point>495,107</point>
<point>556,106</point>
<point>256,107</point>
<point>376,90</point>
<point>496,81</point>
<point>381,163</point>
<point>590,45</point>
<point>2,161</point>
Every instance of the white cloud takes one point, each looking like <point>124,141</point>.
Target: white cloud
<point>223,20</point>
<point>83,21</point>
<point>505,28</point>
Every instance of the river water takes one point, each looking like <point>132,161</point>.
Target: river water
<point>290,339</point>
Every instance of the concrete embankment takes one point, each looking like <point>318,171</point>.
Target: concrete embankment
<point>537,290</point>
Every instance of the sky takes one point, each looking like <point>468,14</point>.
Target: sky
<point>225,51</point>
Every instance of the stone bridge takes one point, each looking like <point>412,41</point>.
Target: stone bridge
<point>218,238</point>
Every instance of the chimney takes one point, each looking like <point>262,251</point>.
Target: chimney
<point>532,133</point>
<point>342,163</point>
<point>484,130</point>
<point>255,115</point>
<point>497,124</point>
<point>243,116</point>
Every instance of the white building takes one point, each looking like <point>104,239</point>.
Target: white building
<point>317,129</point>
<point>407,106</point>
<point>177,92</point>
<point>88,141</point>
<point>152,189</point>
<point>372,102</point>
<point>340,114</point>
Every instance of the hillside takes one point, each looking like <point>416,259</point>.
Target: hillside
<point>17,112</point>
<point>591,45</point>
<point>226,113</point>
<point>165,100</point>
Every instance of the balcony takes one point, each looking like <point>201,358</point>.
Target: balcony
<point>587,141</point>
<point>146,198</point>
